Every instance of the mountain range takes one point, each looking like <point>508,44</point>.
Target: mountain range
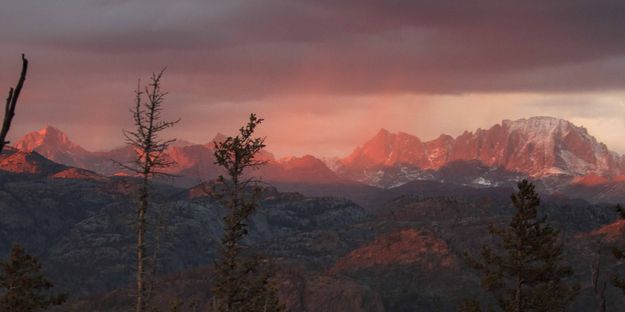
<point>553,151</point>
<point>392,242</point>
<point>537,147</point>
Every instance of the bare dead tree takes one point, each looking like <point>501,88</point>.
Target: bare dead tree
<point>160,228</point>
<point>9,109</point>
<point>149,162</point>
<point>598,286</point>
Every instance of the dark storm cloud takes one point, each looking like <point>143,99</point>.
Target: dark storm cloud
<point>313,64</point>
<point>253,48</point>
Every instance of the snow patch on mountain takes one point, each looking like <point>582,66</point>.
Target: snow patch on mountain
<point>536,147</point>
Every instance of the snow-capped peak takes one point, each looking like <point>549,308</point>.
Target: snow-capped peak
<point>536,146</point>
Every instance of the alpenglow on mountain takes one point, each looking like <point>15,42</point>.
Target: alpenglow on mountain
<point>193,163</point>
<point>537,147</point>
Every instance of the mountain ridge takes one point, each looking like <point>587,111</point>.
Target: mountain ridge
<point>193,162</point>
<point>536,147</point>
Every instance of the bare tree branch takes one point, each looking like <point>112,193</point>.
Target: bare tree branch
<point>11,103</point>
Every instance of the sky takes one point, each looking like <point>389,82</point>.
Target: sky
<point>325,74</point>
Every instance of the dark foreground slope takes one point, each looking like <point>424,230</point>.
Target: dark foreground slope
<point>400,254</point>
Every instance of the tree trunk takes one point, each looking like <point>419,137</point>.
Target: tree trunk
<point>517,298</point>
<point>143,205</point>
<point>599,288</point>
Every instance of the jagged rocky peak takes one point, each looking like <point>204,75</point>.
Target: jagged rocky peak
<point>18,161</point>
<point>539,123</point>
<point>181,143</point>
<point>387,149</point>
<point>49,135</point>
<point>383,133</point>
<point>556,146</point>
<point>536,146</point>
<point>219,137</point>
<point>306,161</point>
<point>307,168</point>
<point>55,145</point>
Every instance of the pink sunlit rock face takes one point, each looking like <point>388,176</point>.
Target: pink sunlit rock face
<point>537,147</point>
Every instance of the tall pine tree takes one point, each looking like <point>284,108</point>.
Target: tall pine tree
<point>618,281</point>
<point>525,271</point>
<point>23,287</point>
<point>243,281</point>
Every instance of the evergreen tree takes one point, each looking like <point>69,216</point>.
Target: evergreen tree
<point>619,282</point>
<point>243,281</point>
<point>525,270</point>
<point>470,305</point>
<point>24,287</point>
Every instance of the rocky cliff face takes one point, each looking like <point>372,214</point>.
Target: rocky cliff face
<point>536,147</point>
<point>53,144</point>
<point>193,163</point>
<point>16,161</point>
<point>404,247</point>
<point>552,150</point>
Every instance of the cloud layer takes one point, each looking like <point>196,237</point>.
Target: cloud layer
<point>328,67</point>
